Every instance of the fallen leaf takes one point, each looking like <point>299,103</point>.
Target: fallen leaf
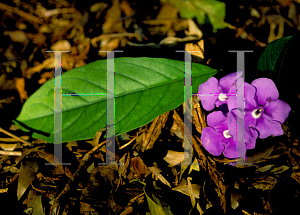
<point>35,202</point>
<point>26,176</point>
<point>174,158</point>
<point>156,172</point>
<point>137,166</point>
<point>8,147</point>
<point>185,190</point>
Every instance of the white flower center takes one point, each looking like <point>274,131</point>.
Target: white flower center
<point>256,113</point>
<point>222,97</point>
<point>226,134</point>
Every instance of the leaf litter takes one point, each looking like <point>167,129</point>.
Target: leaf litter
<point>137,187</point>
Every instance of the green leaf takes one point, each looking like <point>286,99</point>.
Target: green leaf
<point>214,10</point>
<point>273,56</point>
<point>144,89</point>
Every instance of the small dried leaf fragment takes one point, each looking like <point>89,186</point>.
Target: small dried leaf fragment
<point>176,129</point>
<point>35,202</point>
<point>296,176</point>
<point>185,190</point>
<point>20,85</point>
<point>108,45</point>
<point>61,45</point>
<point>4,190</point>
<point>137,166</point>
<point>8,147</point>
<point>196,50</point>
<point>156,172</point>
<point>86,208</point>
<point>266,184</point>
<point>26,176</point>
<point>174,158</point>
<point>279,169</point>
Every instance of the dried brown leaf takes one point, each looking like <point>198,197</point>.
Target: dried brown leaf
<point>137,166</point>
<point>26,176</point>
<point>156,172</point>
<point>174,158</point>
<point>185,190</point>
<point>35,202</point>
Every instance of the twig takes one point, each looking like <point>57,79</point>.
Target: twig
<point>14,136</point>
<point>11,153</point>
<point>8,140</point>
<point>127,144</point>
<point>71,181</point>
<point>21,13</point>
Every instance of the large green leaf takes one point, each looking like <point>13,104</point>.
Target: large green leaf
<point>214,10</point>
<point>144,89</point>
<point>273,56</point>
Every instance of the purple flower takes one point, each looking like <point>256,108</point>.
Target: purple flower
<point>218,89</point>
<point>263,110</point>
<point>250,134</point>
<point>216,139</point>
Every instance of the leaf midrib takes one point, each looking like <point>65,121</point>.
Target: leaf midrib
<point>131,92</point>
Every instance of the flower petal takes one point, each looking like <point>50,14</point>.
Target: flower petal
<point>250,121</point>
<point>217,120</point>
<point>266,127</point>
<point>249,92</point>
<point>250,145</point>
<point>208,87</point>
<point>227,81</point>
<point>279,110</point>
<point>211,141</point>
<point>250,135</point>
<point>234,149</point>
<point>265,89</point>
